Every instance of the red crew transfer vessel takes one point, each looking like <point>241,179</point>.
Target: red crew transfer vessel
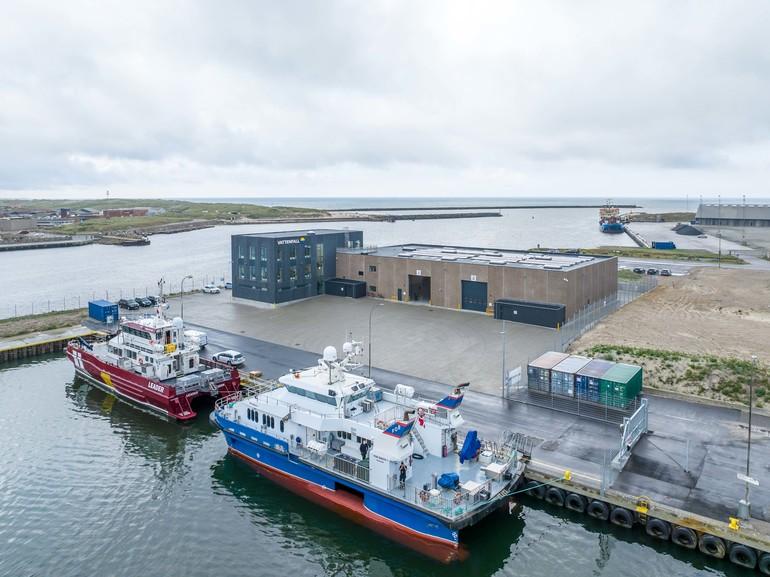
<point>150,364</point>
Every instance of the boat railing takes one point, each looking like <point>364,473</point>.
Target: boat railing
<point>338,462</point>
<point>447,503</point>
<point>257,387</point>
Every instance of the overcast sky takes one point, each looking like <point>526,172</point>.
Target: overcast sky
<point>611,99</point>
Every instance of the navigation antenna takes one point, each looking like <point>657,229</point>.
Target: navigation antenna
<point>161,282</point>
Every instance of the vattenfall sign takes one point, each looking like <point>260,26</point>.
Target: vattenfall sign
<point>291,240</point>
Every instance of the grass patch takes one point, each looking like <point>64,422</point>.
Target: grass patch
<point>629,275</point>
<point>40,323</point>
<point>709,376</point>
<point>675,254</point>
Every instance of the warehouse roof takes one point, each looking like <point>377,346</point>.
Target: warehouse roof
<point>305,232</point>
<point>483,256</point>
<point>734,211</point>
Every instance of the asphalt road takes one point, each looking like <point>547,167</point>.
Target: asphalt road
<point>689,459</point>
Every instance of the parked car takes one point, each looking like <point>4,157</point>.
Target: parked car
<point>639,270</point>
<point>230,357</point>
<point>144,302</point>
<point>228,285</point>
<point>652,271</point>
<point>197,337</point>
<point>153,299</point>
<point>665,272</point>
<point>123,303</point>
<point>132,305</point>
<point>211,289</point>
<point>702,236</point>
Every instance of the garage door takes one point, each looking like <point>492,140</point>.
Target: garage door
<point>474,295</point>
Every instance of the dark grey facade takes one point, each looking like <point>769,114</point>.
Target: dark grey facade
<point>279,267</point>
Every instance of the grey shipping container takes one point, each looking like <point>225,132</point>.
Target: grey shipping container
<point>539,371</point>
<point>563,375</point>
<point>345,287</point>
<point>588,380</point>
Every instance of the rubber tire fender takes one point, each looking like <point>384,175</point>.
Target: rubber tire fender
<point>743,556</point>
<point>554,496</point>
<point>684,537</point>
<point>712,546</point>
<point>659,529</point>
<point>622,517</point>
<point>764,564</point>
<point>598,510</point>
<point>575,502</point>
<point>534,489</point>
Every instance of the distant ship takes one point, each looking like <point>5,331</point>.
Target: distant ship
<point>609,219</point>
<point>152,365</point>
<point>388,460</point>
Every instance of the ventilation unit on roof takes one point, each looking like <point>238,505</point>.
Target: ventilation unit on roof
<point>552,266</point>
<point>408,248</point>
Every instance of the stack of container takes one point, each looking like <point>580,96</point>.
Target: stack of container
<point>621,384</point>
<point>592,380</point>
<point>588,380</point>
<point>539,371</point>
<point>563,375</point>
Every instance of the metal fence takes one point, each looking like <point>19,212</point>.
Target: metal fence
<point>79,301</point>
<point>613,410</point>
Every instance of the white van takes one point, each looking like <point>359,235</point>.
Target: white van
<point>197,337</point>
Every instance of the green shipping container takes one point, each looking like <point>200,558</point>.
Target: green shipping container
<point>620,384</point>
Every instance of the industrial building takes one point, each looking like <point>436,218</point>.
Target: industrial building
<point>278,267</point>
<point>755,215</point>
<point>476,278</point>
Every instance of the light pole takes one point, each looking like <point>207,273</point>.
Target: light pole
<point>181,294</point>
<point>371,312</point>
<point>744,506</point>
<point>503,333</point>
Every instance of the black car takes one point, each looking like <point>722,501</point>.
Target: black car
<point>638,270</point>
<point>132,305</point>
<point>652,271</point>
<point>153,299</point>
<point>144,302</point>
<point>123,303</point>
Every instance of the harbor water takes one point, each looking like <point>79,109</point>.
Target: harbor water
<point>91,486</point>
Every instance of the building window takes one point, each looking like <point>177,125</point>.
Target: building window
<point>319,254</point>
<point>360,273</point>
<point>263,274</point>
<point>307,251</point>
<point>278,275</point>
<point>241,272</point>
<point>372,288</point>
<point>263,253</point>
<point>292,252</point>
<point>253,272</point>
<point>293,273</point>
<point>240,250</point>
<point>372,268</point>
<point>252,252</point>
<point>307,270</point>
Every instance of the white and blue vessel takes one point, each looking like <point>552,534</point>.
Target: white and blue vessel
<point>389,460</point>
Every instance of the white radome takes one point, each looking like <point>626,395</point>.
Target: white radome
<point>330,354</point>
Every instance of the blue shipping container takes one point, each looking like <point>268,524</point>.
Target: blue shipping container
<point>103,311</point>
<point>663,245</point>
<point>587,387</point>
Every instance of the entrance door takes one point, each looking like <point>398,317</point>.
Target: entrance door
<point>474,295</point>
<point>400,294</point>
<point>419,288</point>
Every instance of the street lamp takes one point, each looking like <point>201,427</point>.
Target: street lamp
<point>503,333</point>
<point>371,312</point>
<point>744,506</point>
<point>181,288</point>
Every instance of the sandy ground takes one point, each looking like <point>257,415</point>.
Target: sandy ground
<point>719,312</point>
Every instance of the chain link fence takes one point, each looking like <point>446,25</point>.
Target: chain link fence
<point>612,410</point>
<point>114,294</point>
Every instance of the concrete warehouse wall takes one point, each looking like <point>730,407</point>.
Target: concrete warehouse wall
<point>584,285</point>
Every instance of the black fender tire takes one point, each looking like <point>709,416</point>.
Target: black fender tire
<point>764,564</point>
<point>659,529</point>
<point>575,502</point>
<point>598,510</point>
<point>684,537</point>
<point>554,496</point>
<point>622,517</point>
<point>712,546</point>
<point>535,489</point>
<point>743,556</point>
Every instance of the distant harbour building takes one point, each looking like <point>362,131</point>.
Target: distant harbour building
<point>749,215</point>
<point>274,268</point>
